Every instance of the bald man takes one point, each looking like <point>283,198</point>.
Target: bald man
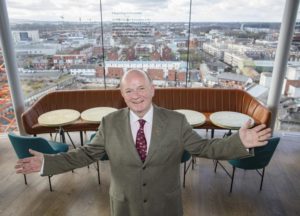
<point>145,144</point>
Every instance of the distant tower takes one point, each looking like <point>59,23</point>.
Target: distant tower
<point>242,27</point>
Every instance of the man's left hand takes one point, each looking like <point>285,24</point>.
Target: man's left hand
<point>254,137</point>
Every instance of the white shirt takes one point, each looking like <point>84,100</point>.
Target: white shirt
<point>135,125</point>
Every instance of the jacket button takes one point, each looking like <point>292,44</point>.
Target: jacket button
<point>144,184</point>
<point>145,200</point>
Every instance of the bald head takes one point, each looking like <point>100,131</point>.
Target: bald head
<point>134,73</point>
<point>137,91</point>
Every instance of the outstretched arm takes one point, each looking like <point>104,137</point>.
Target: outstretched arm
<point>30,164</point>
<point>254,137</point>
<point>58,163</point>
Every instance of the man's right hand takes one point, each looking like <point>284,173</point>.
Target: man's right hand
<point>30,164</point>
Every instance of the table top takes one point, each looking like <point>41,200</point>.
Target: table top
<point>58,117</point>
<point>95,115</point>
<point>230,120</point>
<point>193,117</point>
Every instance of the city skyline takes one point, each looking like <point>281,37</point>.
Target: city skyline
<point>153,10</point>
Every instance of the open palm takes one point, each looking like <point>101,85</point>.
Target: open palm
<point>254,137</point>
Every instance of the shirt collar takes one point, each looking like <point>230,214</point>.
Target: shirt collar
<point>148,117</point>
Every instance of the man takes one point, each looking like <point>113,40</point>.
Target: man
<point>145,177</point>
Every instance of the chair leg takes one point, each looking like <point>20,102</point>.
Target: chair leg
<point>50,186</point>
<point>232,177</point>
<point>98,172</point>
<point>55,136</point>
<point>25,180</point>
<point>81,138</point>
<point>262,179</point>
<point>184,172</point>
<point>216,164</point>
<point>71,140</point>
<point>193,162</point>
<point>186,166</point>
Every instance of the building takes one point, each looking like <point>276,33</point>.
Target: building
<point>67,60</point>
<point>155,56</point>
<point>294,90</point>
<point>265,79</point>
<point>156,74</point>
<point>234,59</point>
<point>231,80</point>
<point>26,36</point>
<point>114,72</point>
<point>293,73</point>
<point>113,55</point>
<point>145,65</point>
<point>144,50</point>
<point>83,70</point>
<point>213,50</point>
<point>166,53</point>
<point>36,49</point>
<point>292,82</point>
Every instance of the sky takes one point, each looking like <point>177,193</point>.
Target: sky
<point>153,10</point>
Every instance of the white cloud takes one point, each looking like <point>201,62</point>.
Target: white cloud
<point>156,10</point>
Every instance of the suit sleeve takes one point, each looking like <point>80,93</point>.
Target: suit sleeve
<point>79,157</point>
<point>217,148</point>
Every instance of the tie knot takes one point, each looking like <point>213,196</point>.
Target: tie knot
<point>142,122</point>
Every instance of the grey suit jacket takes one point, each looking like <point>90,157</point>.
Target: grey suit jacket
<point>151,188</point>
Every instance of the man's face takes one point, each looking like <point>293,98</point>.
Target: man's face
<point>137,92</point>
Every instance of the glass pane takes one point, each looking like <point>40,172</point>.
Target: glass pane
<point>62,44</point>
<point>152,43</point>
<point>233,45</point>
<point>7,118</point>
<point>289,107</point>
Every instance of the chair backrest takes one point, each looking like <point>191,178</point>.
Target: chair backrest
<point>22,144</point>
<point>185,156</point>
<point>261,158</point>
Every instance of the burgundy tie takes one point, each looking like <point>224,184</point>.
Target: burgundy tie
<point>141,142</point>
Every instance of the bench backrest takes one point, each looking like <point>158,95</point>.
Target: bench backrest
<point>205,100</point>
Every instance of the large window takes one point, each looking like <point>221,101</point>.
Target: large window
<point>7,118</point>
<point>91,44</point>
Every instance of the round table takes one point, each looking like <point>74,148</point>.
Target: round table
<point>193,117</point>
<point>230,120</point>
<point>59,118</point>
<point>94,115</point>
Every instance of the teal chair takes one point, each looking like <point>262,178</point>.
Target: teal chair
<point>184,159</point>
<point>22,144</point>
<point>259,162</point>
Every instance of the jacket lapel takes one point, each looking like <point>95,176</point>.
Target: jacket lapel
<point>158,125</point>
<point>125,128</point>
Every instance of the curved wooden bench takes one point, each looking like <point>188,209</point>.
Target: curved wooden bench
<point>205,100</point>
